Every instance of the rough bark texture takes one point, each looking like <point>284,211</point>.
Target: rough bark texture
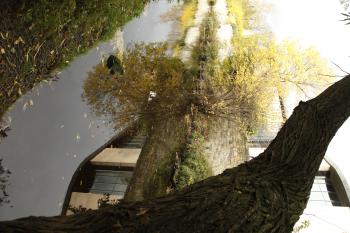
<point>266,194</point>
<point>154,167</point>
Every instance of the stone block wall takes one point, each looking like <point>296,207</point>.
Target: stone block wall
<point>225,145</point>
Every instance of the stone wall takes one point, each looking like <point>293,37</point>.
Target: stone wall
<point>225,145</point>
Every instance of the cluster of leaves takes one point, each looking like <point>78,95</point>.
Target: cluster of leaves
<point>264,65</point>
<point>297,66</point>
<point>154,86</point>
<point>261,69</point>
<point>187,16</point>
<point>240,13</point>
<point>245,96</point>
<point>37,37</point>
<point>183,16</point>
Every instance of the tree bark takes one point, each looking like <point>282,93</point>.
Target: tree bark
<point>154,169</point>
<point>266,194</point>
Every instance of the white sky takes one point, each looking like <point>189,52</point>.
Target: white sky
<point>313,23</point>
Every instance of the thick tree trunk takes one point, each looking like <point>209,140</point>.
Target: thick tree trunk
<point>165,150</point>
<point>266,194</point>
<point>155,167</point>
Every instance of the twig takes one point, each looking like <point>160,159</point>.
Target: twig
<point>331,76</point>
<point>340,68</point>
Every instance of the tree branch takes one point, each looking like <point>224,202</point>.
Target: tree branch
<point>266,194</point>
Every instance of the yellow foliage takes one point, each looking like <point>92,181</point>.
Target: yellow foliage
<point>155,86</point>
<point>240,13</point>
<point>188,12</point>
<point>147,90</point>
<point>261,69</point>
<point>243,14</point>
<point>236,11</point>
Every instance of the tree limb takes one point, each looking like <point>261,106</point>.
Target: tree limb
<point>266,194</point>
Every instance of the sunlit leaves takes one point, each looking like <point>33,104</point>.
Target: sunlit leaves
<point>293,65</point>
<point>260,66</point>
<point>187,15</point>
<point>243,14</point>
<point>126,97</point>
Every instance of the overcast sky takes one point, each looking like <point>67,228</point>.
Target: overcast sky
<point>313,23</point>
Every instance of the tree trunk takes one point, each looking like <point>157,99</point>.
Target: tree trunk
<point>266,194</point>
<point>154,169</point>
<point>168,142</point>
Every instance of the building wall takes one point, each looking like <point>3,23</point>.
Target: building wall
<point>225,145</point>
